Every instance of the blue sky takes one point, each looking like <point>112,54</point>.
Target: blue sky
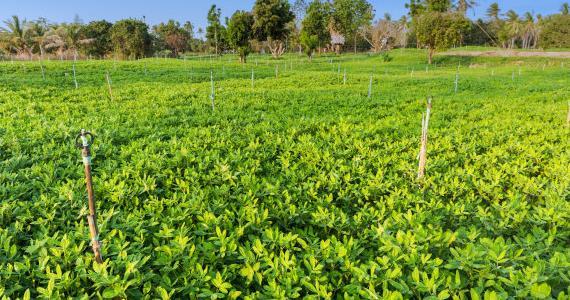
<point>195,11</point>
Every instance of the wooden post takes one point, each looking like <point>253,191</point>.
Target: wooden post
<point>109,85</point>
<point>344,77</point>
<point>84,143</point>
<point>513,76</point>
<point>424,138</point>
<point>212,92</point>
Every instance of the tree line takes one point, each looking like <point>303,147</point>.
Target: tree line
<point>276,26</point>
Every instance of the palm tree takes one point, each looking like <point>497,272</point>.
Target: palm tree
<point>565,8</point>
<point>15,35</point>
<point>528,30</point>
<point>514,27</point>
<point>493,11</point>
<point>464,5</point>
<point>38,32</point>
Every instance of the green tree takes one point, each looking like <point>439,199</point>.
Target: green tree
<point>272,20</point>
<point>215,31</point>
<point>314,30</point>
<point>130,38</point>
<point>565,9</point>
<point>437,31</point>
<point>97,37</point>
<point>173,36</point>
<point>349,15</point>
<point>239,33</point>
<point>555,31</point>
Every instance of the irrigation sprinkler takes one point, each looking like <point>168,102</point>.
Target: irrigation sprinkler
<point>212,91</point>
<point>423,148</point>
<point>83,141</point>
<point>109,85</point>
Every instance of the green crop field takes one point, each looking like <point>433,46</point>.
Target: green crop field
<point>296,185</point>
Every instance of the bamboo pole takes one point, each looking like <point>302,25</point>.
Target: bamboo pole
<point>424,139</point>
<point>84,143</point>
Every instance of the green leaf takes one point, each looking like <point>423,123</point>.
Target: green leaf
<point>541,291</point>
<point>110,293</point>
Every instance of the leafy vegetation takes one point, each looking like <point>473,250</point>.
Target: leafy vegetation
<point>299,187</point>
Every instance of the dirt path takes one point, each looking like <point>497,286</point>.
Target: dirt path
<point>508,53</point>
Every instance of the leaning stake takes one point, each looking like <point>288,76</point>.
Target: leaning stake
<point>84,140</point>
<point>423,148</point>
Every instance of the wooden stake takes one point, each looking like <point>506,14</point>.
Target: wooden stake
<point>252,79</point>
<point>212,92</point>
<point>84,143</point>
<point>424,139</point>
<point>74,77</point>
<point>344,77</point>
<point>456,82</point>
<point>109,85</point>
<point>370,87</point>
<point>568,117</point>
<point>43,72</point>
<point>276,71</point>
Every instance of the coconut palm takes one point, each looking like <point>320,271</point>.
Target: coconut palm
<point>493,11</point>
<point>464,5</point>
<point>15,37</point>
<point>528,30</point>
<point>38,31</point>
<point>514,27</point>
